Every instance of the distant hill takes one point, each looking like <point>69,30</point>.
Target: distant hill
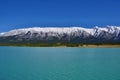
<point>72,35</point>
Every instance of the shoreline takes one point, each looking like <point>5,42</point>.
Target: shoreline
<point>66,46</point>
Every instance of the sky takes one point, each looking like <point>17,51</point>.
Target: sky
<point>16,14</point>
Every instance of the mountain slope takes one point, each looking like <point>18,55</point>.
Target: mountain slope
<point>109,34</point>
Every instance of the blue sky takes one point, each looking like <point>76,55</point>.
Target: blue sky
<point>87,13</point>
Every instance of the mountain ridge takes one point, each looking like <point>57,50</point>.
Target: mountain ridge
<point>108,34</point>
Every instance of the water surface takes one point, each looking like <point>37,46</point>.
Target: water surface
<point>34,63</point>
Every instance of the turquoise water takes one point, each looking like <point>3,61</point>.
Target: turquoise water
<point>28,63</point>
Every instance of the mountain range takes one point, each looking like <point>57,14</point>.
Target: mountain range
<point>108,34</point>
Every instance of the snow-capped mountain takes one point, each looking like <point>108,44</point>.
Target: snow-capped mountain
<point>64,34</point>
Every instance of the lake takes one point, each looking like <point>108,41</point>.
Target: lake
<point>50,63</point>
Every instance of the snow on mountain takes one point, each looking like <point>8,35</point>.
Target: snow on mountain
<point>59,30</point>
<point>68,30</point>
<point>65,33</point>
